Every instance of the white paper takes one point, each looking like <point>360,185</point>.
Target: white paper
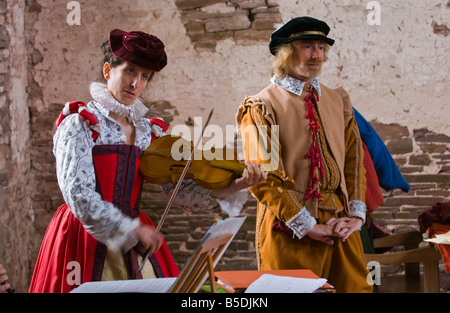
<point>162,285</point>
<point>229,225</point>
<point>154,285</point>
<point>269,283</point>
<point>223,227</point>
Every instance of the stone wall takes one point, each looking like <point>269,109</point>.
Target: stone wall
<point>208,21</point>
<point>16,215</point>
<point>5,154</point>
<point>424,159</point>
<point>396,74</point>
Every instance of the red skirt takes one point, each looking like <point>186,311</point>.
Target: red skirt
<point>70,256</point>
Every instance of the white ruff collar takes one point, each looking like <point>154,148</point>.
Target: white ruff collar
<point>133,112</point>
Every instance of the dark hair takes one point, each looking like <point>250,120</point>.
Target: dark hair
<point>109,57</point>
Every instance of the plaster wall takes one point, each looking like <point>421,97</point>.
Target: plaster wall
<point>395,72</point>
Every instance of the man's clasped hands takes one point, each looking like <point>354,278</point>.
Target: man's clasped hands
<point>335,228</point>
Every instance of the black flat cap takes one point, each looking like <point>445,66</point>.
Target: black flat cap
<point>304,27</point>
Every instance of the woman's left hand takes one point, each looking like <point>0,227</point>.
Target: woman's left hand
<point>251,176</point>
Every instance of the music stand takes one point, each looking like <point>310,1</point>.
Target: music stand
<point>201,263</point>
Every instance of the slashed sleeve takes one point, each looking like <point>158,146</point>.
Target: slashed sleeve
<point>355,174</point>
<point>76,178</point>
<point>255,121</point>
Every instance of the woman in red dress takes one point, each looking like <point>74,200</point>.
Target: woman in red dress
<point>100,233</point>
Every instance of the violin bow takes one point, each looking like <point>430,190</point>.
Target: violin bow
<point>175,192</point>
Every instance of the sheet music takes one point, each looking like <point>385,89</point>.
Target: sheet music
<point>154,285</point>
<point>160,285</point>
<point>223,227</point>
<point>269,283</point>
<point>229,225</point>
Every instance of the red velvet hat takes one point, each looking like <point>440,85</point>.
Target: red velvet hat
<point>138,48</point>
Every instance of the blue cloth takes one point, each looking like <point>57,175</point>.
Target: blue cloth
<point>389,176</point>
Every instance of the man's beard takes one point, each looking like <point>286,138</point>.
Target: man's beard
<point>304,70</point>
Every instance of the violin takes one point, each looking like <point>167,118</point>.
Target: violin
<point>165,159</point>
<point>168,160</point>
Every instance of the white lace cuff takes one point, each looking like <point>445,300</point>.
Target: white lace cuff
<point>357,208</point>
<point>126,240</point>
<point>301,223</point>
<point>233,204</point>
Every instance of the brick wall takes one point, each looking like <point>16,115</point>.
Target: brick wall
<point>183,230</point>
<point>208,21</point>
<point>424,159</point>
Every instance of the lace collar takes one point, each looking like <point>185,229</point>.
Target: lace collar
<point>294,85</point>
<point>133,112</point>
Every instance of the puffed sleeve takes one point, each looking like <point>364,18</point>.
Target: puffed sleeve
<point>255,121</point>
<point>355,173</point>
<point>76,178</point>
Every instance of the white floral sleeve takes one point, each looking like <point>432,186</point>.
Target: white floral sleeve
<point>76,178</point>
<point>193,197</point>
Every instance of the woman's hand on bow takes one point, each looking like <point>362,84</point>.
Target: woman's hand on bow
<point>148,238</point>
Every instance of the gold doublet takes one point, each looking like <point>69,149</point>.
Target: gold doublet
<point>341,181</point>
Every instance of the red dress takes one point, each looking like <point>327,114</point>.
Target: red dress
<point>68,250</point>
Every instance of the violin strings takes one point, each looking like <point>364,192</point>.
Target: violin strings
<point>175,192</point>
